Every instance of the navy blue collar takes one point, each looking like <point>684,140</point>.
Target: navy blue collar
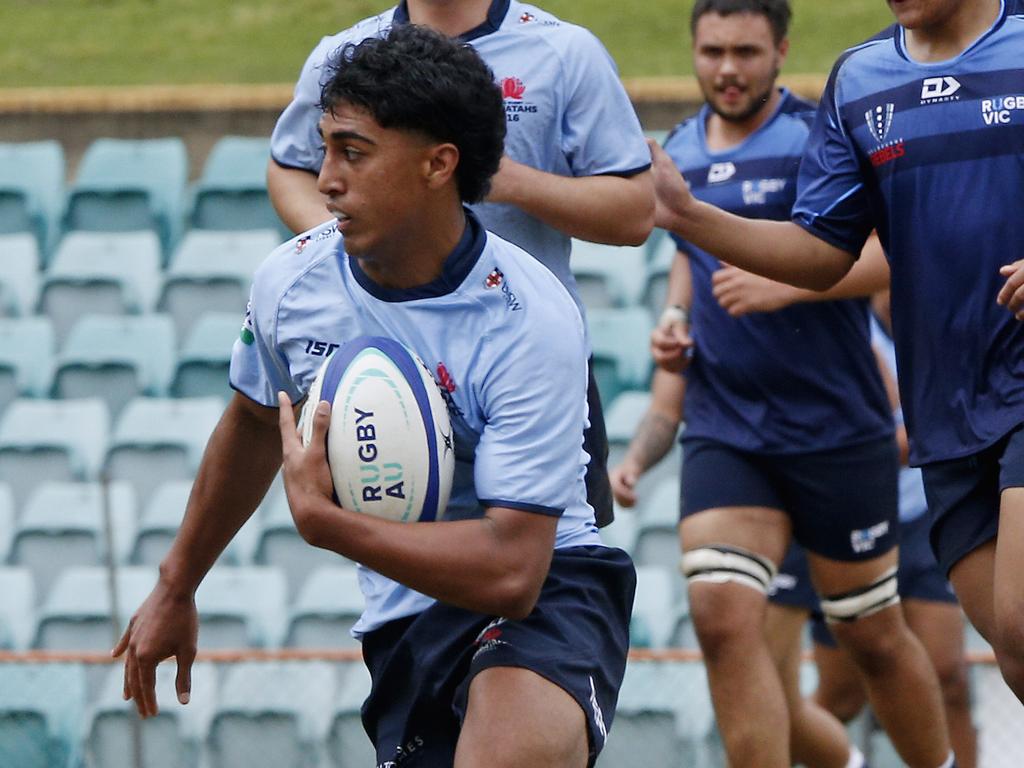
<point>457,266</point>
<point>495,16</point>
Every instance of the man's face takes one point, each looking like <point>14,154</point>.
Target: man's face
<point>373,178</point>
<point>917,14</point>
<point>736,61</point>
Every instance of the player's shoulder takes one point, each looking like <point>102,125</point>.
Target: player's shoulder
<point>291,261</point>
<point>865,53</point>
<point>371,26</point>
<point>566,38</point>
<point>684,140</point>
<point>797,110</point>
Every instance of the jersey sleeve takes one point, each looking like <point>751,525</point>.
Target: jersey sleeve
<point>258,370</point>
<point>295,142</point>
<point>832,203</point>
<point>601,133</point>
<point>530,453</point>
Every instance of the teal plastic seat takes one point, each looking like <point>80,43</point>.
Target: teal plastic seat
<point>20,261</point>
<point>654,607</point>
<point>129,185</point>
<point>607,275</point>
<point>212,272</point>
<point>173,738</point>
<point>241,607</point>
<point>619,340</point>
<point>232,191</point>
<point>17,604</point>
<point>348,746</point>
<point>44,440</point>
<point>656,276</point>
<point>42,709</point>
<point>271,715</point>
<point>161,439</point>
<point>26,358</point>
<point>64,525</point>
<point>100,273</point>
<point>205,357</point>
<point>328,606</point>
<point>32,189</point>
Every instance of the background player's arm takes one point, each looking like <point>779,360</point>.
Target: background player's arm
<point>654,436</point>
<point>605,209</point>
<point>241,459</point>
<point>493,565</point>
<point>671,343</point>
<point>295,196</point>
<point>779,250</point>
<point>741,292</point>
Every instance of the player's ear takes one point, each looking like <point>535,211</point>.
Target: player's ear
<point>442,160</point>
<point>783,50</point>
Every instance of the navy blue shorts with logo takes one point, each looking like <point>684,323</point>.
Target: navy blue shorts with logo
<point>842,502</point>
<point>422,666</point>
<point>963,496</point>
<point>918,578</point>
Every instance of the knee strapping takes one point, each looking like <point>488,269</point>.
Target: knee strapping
<point>862,602</point>
<point>720,564</point>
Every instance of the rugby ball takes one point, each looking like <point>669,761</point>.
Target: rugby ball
<point>389,443</point>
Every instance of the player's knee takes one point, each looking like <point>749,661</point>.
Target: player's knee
<point>952,674</point>
<point>1008,644</point>
<point>868,623</point>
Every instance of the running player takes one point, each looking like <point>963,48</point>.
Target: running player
<point>917,135</point>
<point>575,161</point>
<point>789,430</point>
<point>497,636</point>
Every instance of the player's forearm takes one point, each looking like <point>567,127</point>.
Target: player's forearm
<point>295,197</point>
<point>869,275</point>
<point>240,461</point>
<point>603,209</point>
<point>482,565</point>
<point>779,250</point>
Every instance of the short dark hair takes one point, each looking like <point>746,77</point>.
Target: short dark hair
<point>419,80</point>
<point>777,12</point>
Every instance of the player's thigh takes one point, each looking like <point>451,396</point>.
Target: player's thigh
<point>515,717</point>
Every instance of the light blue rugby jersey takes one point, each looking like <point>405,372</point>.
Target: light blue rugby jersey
<point>516,390</point>
<point>566,110</point>
<point>803,378</point>
<point>933,156</point>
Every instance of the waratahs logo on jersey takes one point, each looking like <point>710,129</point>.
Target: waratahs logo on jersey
<point>301,243</point>
<point>512,91</point>
<point>494,279</point>
<point>526,18</point>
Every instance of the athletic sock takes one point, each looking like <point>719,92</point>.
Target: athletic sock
<point>856,758</point>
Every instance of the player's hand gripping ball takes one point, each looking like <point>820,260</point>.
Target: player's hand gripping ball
<point>389,443</point>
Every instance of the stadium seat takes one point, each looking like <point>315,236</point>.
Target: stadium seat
<point>129,185</point>
<point>664,714</point>
<point>161,518</point>
<point>19,275</point>
<point>64,525</point>
<point>655,287</point>
<point>348,746</point>
<point>8,519</point>
<point>212,272</point>
<point>232,192</point>
<point>172,739</point>
<point>32,189</point>
<point>205,357</point>
<point>44,440</point>
<point>619,340</point>
<point>116,359</point>
<point>241,607</point>
<point>17,608</point>
<point>26,358</point>
<point>328,606</point>
<point>100,274</point>
<point>621,532</point>
<point>271,715</point>
<point>42,709</point>
<point>654,608</point>
<point>161,439</point>
<point>658,535</point>
<point>77,615</point>
<point>281,545</point>
<point>607,275</point>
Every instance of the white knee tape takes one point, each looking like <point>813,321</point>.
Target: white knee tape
<point>863,602</point>
<point>721,564</point>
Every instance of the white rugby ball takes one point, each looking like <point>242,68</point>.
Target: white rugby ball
<point>389,444</point>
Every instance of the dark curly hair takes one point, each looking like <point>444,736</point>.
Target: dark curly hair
<point>777,12</point>
<point>419,80</point>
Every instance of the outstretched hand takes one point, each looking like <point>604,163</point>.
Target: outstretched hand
<point>672,193</point>
<point>742,293</point>
<point>307,476</point>
<point>1011,295</point>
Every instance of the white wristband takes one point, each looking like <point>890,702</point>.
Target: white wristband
<point>674,314</point>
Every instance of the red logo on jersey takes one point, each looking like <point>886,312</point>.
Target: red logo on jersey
<point>300,246</point>
<point>491,634</point>
<point>888,154</point>
<point>526,18</point>
<point>512,88</point>
<point>494,279</point>
<point>445,378</point>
